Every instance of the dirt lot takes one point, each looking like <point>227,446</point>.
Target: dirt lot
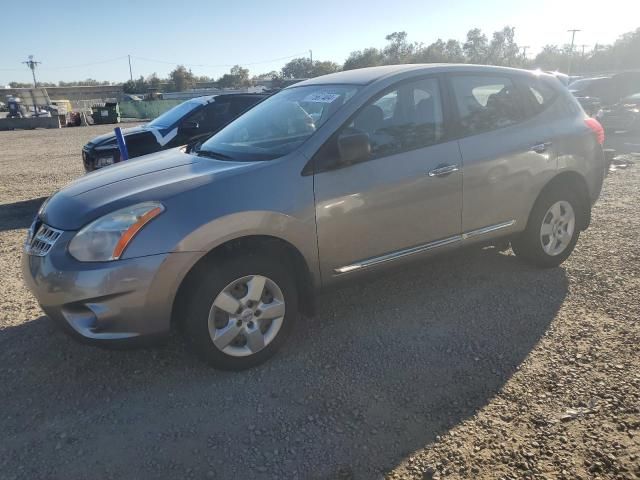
<point>470,366</point>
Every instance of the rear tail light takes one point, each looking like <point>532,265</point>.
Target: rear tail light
<point>596,128</point>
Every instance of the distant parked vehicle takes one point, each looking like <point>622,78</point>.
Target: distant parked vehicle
<point>16,108</point>
<point>597,92</point>
<point>187,123</point>
<point>588,91</point>
<point>625,115</point>
<point>326,180</point>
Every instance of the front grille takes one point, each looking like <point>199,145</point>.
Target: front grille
<point>40,243</point>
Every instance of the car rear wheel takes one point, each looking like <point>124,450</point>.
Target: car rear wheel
<point>241,311</point>
<point>552,230</point>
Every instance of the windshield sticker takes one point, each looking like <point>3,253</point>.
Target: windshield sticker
<point>321,97</point>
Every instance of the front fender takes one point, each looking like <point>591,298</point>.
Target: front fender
<point>299,232</point>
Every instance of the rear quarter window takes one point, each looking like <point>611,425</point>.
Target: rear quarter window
<point>538,95</point>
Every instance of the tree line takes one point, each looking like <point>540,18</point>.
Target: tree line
<point>89,82</point>
<point>500,48</point>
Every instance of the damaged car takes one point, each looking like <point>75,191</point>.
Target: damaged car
<point>186,124</point>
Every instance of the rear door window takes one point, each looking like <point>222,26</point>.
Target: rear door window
<point>486,103</point>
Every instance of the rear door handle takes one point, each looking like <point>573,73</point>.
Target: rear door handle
<point>541,147</point>
<point>443,170</point>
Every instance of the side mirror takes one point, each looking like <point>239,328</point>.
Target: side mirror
<point>189,127</point>
<point>193,147</point>
<point>354,147</point>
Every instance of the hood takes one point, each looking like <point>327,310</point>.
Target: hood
<point>111,137</point>
<point>151,177</point>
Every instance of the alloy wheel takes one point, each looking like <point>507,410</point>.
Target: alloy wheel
<point>246,315</point>
<point>558,226</point>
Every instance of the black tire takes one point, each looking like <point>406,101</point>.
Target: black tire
<point>528,245</point>
<point>211,281</point>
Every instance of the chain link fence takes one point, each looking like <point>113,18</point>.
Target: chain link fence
<point>146,109</point>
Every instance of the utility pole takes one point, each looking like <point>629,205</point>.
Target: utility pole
<point>311,57</point>
<point>32,64</point>
<point>130,72</point>
<point>524,51</point>
<point>573,37</point>
<point>583,47</point>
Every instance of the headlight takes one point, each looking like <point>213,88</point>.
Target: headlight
<point>104,158</point>
<point>107,238</point>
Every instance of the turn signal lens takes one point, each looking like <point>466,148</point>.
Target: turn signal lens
<point>128,235</point>
<point>107,238</point>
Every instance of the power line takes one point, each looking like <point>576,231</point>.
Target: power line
<point>168,62</point>
<point>80,65</point>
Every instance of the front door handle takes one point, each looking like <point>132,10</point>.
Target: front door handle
<point>443,170</point>
<point>541,147</point>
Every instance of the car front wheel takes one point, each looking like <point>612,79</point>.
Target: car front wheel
<point>241,311</point>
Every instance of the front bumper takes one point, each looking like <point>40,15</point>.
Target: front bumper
<point>112,303</point>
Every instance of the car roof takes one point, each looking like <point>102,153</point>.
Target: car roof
<point>367,75</point>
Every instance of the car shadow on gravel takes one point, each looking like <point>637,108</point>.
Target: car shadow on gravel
<point>385,366</point>
<point>18,215</point>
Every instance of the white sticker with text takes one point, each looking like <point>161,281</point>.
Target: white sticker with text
<point>321,97</point>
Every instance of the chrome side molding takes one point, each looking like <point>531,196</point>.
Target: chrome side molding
<point>488,229</point>
<point>388,257</point>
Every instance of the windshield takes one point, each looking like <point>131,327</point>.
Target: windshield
<point>170,117</point>
<point>280,124</point>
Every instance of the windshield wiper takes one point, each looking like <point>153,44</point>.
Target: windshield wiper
<point>214,155</point>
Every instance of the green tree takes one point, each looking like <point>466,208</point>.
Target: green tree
<point>181,79</point>
<point>153,81</point>
<point>369,57</point>
<point>398,50</point>
<point>266,76</point>
<point>551,57</point>
<point>141,85</point>
<point>297,68</point>
<point>503,50</point>
<point>475,48</point>
<point>237,77</point>
<point>323,68</point>
<point>30,85</point>
<point>626,51</point>
<point>89,82</point>
<point>453,52</point>
<point>303,68</point>
<point>434,53</point>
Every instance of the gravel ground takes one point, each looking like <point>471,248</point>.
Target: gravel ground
<point>470,366</point>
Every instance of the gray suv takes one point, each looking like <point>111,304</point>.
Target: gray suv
<point>329,179</point>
